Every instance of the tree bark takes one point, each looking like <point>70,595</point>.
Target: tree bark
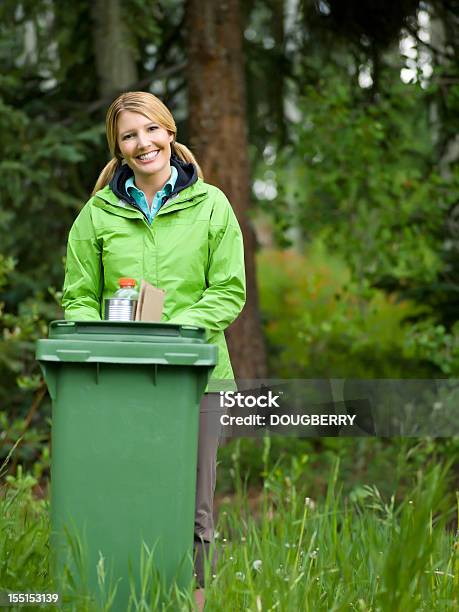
<point>447,143</point>
<point>218,137</point>
<point>114,52</point>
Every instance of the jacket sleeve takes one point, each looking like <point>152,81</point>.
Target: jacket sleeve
<point>83,282</point>
<point>224,297</point>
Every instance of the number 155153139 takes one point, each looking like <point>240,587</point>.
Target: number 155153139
<point>28,599</point>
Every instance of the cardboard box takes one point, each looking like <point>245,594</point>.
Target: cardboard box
<point>150,304</point>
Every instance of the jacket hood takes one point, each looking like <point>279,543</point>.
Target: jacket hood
<point>186,175</point>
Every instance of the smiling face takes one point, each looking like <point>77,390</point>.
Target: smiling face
<point>146,147</point>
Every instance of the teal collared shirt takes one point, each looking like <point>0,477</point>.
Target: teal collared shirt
<point>141,200</point>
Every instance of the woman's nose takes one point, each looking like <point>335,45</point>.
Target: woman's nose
<point>143,139</point>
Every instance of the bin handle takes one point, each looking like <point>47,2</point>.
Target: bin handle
<point>73,355</point>
<point>182,358</point>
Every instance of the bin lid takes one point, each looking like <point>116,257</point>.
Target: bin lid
<point>126,342</point>
<point>139,331</point>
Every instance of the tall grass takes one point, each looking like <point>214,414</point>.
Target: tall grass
<point>370,554</point>
<point>24,534</point>
<point>361,552</point>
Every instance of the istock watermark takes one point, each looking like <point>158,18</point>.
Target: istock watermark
<point>289,420</point>
<point>229,399</point>
<point>258,409</point>
<point>334,407</point>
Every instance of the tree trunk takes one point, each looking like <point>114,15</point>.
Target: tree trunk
<point>447,143</point>
<point>113,49</point>
<point>218,136</point>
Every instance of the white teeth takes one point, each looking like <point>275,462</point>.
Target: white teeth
<point>148,156</point>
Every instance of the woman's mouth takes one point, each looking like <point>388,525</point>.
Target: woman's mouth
<point>148,157</point>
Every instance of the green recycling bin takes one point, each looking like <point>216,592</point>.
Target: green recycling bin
<point>125,421</point>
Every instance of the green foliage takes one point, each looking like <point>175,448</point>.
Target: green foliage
<point>50,152</point>
<point>363,169</point>
<point>389,465</point>
<point>319,322</point>
<point>360,549</point>
<point>433,342</point>
<point>24,534</point>
<point>142,19</point>
<point>41,192</point>
<point>300,554</point>
<point>364,174</point>
<point>24,410</point>
<point>370,181</point>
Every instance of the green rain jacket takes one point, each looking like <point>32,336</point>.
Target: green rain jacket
<point>193,250</point>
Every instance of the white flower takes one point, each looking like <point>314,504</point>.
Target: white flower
<point>240,576</point>
<point>257,565</point>
<point>309,503</point>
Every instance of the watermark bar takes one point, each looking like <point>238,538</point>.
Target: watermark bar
<point>335,407</point>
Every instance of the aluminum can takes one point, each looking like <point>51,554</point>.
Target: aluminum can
<point>119,309</point>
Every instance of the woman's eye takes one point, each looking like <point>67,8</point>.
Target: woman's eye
<point>152,128</point>
<point>127,136</point>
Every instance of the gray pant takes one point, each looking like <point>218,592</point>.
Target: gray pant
<point>205,486</point>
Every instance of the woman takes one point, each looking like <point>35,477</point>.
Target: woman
<point>152,217</point>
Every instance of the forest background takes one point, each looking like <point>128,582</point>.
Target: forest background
<point>332,126</point>
<point>333,129</point>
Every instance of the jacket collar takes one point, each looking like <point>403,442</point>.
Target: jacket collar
<point>186,176</point>
<point>106,199</point>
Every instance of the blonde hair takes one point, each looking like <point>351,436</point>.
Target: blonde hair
<point>146,104</point>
